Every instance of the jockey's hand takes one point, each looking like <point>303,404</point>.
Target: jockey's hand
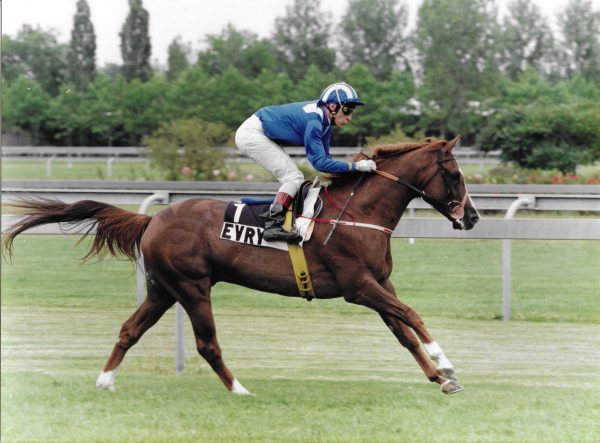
<point>366,165</point>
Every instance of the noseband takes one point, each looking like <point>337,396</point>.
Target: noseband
<point>453,210</point>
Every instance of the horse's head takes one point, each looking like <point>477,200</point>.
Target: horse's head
<point>432,173</point>
<point>444,187</point>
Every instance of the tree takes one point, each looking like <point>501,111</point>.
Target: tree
<point>143,107</point>
<point>104,110</point>
<point>135,43</point>
<point>35,53</point>
<point>67,117</point>
<point>82,49</point>
<point>26,105</point>
<point>372,34</point>
<point>539,124</point>
<point>178,58</point>
<point>239,49</point>
<point>302,38</point>
<point>232,98</point>
<point>187,148</point>
<point>580,26</point>
<point>526,39</point>
<point>457,44</point>
<point>386,104</point>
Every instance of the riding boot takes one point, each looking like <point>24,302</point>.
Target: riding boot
<point>274,226</point>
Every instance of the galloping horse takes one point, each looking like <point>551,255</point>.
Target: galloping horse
<point>184,256</point>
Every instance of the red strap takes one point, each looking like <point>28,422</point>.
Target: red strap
<point>332,203</point>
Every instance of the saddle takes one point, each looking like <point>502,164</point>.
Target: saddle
<point>244,223</point>
<point>258,209</point>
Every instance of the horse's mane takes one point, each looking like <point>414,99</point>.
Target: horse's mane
<point>390,150</point>
<point>387,150</point>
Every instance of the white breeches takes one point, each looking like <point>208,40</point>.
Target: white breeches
<point>251,140</point>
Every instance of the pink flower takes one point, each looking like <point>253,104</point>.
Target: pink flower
<point>186,170</point>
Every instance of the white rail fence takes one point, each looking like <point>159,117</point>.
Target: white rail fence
<point>133,154</point>
<point>535,197</point>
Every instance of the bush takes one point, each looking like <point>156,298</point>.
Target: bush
<point>189,149</point>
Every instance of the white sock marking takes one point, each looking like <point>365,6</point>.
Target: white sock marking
<point>106,380</point>
<point>238,389</point>
<point>436,353</point>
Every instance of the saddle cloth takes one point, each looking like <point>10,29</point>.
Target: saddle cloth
<point>243,224</point>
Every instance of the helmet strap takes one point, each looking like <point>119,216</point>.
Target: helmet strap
<point>334,112</point>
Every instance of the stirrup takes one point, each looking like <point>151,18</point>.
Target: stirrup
<point>276,233</point>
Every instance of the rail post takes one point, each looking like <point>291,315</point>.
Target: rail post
<point>158,196</point>
<point>49,166</point>
<point>522,201</point>
<point>109,164</point>
<point>162,197</point>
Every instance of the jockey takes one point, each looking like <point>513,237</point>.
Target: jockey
<point>305,124</point>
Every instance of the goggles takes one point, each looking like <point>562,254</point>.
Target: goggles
<point>347,110</point>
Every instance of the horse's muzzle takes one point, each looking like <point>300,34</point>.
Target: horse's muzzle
<point>470,218</point>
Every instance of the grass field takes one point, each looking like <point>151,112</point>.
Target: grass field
<point>89,170</point>
<point>323,371</point>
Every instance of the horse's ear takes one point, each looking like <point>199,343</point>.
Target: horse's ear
<point>450,145</point>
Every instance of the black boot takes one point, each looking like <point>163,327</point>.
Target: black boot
<point>274,226</point>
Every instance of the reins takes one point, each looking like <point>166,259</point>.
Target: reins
<point>336,221</point>
<point>446,209</point>
<point>452,210</point>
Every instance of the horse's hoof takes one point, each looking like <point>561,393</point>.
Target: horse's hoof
<point>238,389</point>
<point>451,387</point>
<point>106,381</point>
<point>447,373</point>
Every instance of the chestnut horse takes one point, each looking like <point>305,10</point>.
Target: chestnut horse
<point>184,256</point>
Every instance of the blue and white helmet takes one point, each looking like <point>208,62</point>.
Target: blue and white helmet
<point>339,93</point>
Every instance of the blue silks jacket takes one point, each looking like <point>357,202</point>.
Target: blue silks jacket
<point>302,124</point>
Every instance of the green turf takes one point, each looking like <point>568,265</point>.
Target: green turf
<point>552,280</point>
<point>92,170</point>
<point>323,371</point>
<point>78,170</point>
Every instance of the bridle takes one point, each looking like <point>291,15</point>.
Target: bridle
<point>454,209</point>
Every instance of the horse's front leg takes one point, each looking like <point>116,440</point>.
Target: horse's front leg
<point>400,318</point>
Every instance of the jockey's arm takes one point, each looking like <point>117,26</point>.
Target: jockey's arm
<point>317,153</point>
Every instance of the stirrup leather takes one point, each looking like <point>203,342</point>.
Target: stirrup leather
<point>299,264</point>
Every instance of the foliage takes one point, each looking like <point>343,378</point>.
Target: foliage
<point>68,117</point>
<point>178,58</point>
<point>82,49</point>
<point>527,40</point>
<point>397,135</point>
<point>580,24</point>
<point>189,149</point>
<point>238,49</point>
<point>26,105</point>
<point>468,74</point>
<point>135,43</point>
<point>544,125</point>
<point>37,55</point>
<point>373,35</point>
<point>387,102</point>
<point>457,41</point>
<point>302,38</point>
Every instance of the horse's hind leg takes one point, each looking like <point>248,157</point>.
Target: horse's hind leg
<point>150,311</point>
<point>201,316</point>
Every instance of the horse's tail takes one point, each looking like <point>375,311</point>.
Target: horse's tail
<point>118,231</point>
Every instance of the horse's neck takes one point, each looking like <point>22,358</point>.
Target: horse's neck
<point>377,199</point>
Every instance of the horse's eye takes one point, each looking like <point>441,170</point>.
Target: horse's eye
<point>455,175</point>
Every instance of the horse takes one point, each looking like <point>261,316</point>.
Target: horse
<point>184,256</point>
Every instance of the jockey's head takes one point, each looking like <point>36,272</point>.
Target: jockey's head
<point>339,97</point>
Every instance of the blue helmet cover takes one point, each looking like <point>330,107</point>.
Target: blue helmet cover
<point>339,93</point>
